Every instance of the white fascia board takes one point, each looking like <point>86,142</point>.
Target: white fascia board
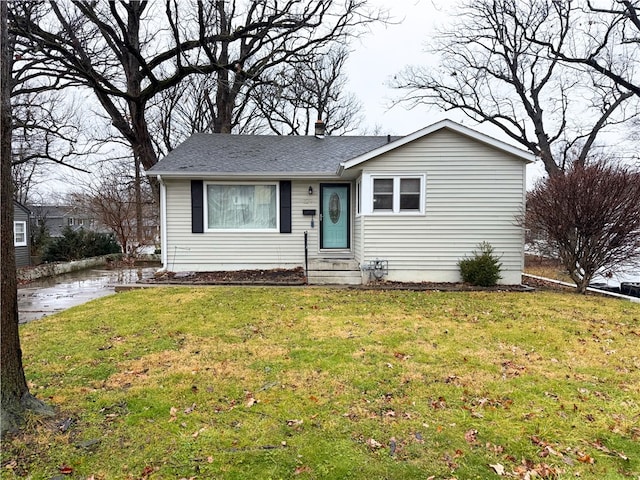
<point>451,125</point>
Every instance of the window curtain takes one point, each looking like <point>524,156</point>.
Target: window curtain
<point>241,206</point>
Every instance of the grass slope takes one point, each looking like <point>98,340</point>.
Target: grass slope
<point>309,383</point>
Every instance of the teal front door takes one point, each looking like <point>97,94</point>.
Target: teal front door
<point>334,216</point>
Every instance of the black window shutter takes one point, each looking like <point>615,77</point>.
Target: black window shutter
<point>197,207</point>
<point>285,206</point>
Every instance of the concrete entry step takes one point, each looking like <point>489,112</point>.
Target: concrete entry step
<point>332,271</point>
<point>334,264</point>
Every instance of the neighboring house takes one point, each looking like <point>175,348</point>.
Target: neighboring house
<point>21,236</point>
<point>57,217</point>
<point>403,209</point>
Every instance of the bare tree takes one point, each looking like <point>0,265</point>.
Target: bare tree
<point>128,52</point>
<point>496,67</point>
<point>589,218</point>
<point>45,132</point>
<point>113,198</point>
<point>15,398</point>
<point>313,88</point>
<point>611,42</point>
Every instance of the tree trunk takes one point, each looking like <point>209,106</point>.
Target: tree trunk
<point>14,392</point>
<point>138,199</point>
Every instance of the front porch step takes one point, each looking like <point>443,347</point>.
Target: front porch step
<point>332,271</point>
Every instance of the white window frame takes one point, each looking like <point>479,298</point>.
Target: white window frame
<point>22,243</point>
<point>367,193</point>
<point>240,230</point>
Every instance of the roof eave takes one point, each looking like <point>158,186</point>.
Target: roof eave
<point>241,175</point>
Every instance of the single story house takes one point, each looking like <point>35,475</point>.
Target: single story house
<point>349,209</point>
<point>21,235</point>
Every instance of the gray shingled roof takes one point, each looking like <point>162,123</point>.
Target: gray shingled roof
<point>216,153</point>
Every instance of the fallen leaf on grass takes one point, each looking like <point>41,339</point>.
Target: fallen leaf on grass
<point>249,399</point>
<point>498,468</point>
<point>303,469</point>
<point>471,436</point>
<point>546,451</point>
<point>449,461</point>
<point>146,472</point>
<point>196,434</point>
<point>440,403</point>
<point>65,469</point>
<point>373,444</point>
<point>173,412</point>
<point>190,409</point>
<point>598,445</point>
<point>586,458</point>
<point>294,423</point>
<point>497,449</point>
<point>537,441</point>
<point>529,470</point>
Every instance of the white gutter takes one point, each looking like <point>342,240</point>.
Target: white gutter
<point>242,176</point>
<point>163,223</point>
<point>589,289</point>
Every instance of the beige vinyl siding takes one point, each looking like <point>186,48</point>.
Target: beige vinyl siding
<point>210,251</point>
<point>357,238</point>
<point>474,193</point>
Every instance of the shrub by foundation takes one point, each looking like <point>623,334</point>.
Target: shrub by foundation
<point>483,269</point>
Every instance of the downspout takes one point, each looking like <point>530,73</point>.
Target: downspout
<point>163,224</point>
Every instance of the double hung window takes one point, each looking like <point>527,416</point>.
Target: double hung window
<point>398,194</point>
<point>20,234</point>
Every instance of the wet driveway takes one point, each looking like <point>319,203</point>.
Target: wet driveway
<point>51,295</point>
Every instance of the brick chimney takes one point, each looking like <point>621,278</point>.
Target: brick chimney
<point>319,129</point>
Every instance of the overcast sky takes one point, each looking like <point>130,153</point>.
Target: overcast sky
<point>386,51</point>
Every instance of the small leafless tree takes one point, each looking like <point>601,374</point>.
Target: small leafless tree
<point>589,217</point>
<point>496,67</point>
<point>112,197</point>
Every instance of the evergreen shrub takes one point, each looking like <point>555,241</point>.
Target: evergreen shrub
<point>78,244</point>
<point>483,269</point>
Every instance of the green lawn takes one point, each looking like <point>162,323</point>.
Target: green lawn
<point>270,383</point>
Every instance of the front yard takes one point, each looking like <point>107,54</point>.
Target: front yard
<point>316,383</point>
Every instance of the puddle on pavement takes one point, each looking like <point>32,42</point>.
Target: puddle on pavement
<point>46,296</point>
